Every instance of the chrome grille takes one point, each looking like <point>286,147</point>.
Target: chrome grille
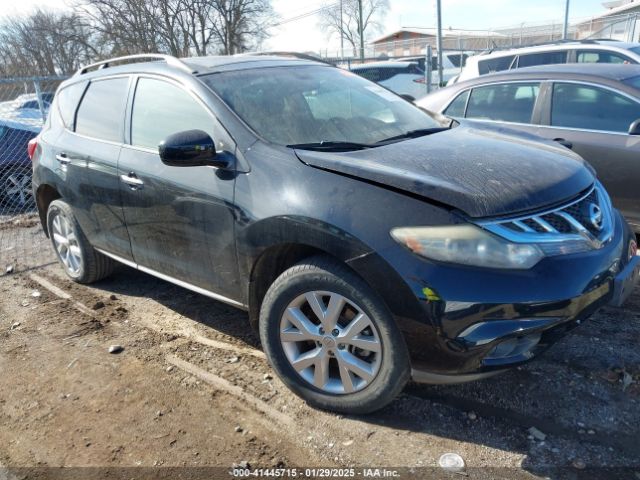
<point>583,224</point>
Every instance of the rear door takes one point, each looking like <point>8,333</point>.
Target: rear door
<point>180,219</point>
<point>86,156</point>
<point>596,121</point>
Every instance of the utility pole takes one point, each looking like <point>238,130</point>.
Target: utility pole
<point>361,29</point>
<point>565,28</point>
<point>341,32</point>
<point>439,15</point>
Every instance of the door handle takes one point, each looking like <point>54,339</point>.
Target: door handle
<point>564,143</point>
<point>62,158</point>
<point>134,182</point>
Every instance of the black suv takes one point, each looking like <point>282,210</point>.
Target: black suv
<point>369,241</point>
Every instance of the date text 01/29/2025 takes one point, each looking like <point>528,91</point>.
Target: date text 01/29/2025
<point>315,473</point>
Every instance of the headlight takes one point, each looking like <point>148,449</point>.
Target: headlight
<point>467,245</point>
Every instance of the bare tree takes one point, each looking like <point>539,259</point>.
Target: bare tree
<point>54,42</point>
<point>45,42</point>
<point>373,12</point>
<point>240,25</point>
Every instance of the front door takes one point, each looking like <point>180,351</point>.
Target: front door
<point>180,219</point>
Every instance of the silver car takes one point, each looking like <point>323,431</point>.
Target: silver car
<point>592,109</point>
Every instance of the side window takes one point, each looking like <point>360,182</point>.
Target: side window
<point>495,64</point>
<point>456,108</point>
<point>592,108</point>
<point>544,58</point>
<point>509,102</point>
<point>101,111</point>
<point>161,109</point>
<point>599,56</point>
<point>68,99</point>
<point>387,73</point>
<point>458,59</point>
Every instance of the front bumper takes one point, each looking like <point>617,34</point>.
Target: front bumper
<point>473,321</point>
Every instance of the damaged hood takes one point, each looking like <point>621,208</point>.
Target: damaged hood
<point>482,172</point>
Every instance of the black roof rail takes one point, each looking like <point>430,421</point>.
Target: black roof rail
<point>600,40</point>
<point>301,56</point>
<point>170,60</point>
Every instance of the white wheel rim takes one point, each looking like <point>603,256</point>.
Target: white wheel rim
<point>66,243</point>
<point>330,342</point>
<point>17,187</point>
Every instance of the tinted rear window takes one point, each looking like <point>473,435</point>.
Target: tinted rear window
<point>544,58</point>
<point>101,112</point>
<point>68,99</point>
<point>495,64</point>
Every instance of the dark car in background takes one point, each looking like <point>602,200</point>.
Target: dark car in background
<point>592,109</point>
<point>366,248</point>
<point>20,120</point>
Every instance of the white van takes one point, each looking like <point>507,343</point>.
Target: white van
<point>585,51</point>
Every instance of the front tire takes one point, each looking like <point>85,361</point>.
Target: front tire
<point>331,339</point>
<point>81,262</point>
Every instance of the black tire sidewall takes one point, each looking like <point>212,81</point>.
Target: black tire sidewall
<point>394,369</point>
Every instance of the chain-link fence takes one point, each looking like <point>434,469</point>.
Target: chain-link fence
<point>408,42</point>
<point>24,105</point>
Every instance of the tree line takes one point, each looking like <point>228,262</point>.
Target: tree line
<point>58,42</point>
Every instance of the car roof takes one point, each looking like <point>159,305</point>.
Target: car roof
<point>214,63</point>
<point>595,44</point>
<point>159,63</point>
<point>389,64</point>
<point>609,71</point>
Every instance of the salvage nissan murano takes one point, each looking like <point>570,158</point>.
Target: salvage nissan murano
<point>370,242</point>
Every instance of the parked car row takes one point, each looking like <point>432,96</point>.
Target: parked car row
<point>593,110</point>
<point>370,241</point>
<point>407,76</point>
<point>582,52</point>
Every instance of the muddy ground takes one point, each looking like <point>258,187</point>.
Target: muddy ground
<point>191,389</point>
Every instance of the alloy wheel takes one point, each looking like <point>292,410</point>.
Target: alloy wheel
<point>17,189</point>
<point>66,243</point>
<point>331,342</point>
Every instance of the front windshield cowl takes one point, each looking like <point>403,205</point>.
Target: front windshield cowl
<point>311,104</point>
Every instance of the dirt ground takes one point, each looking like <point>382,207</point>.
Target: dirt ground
<point>192,389</point>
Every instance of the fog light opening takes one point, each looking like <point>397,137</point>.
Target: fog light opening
<point>514,347</point>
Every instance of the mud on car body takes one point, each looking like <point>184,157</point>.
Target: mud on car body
<point>369,241</point>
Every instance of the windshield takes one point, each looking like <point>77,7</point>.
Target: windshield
<point>313,104</point>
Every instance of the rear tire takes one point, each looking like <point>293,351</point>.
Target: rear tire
<point>80,261</point>
<point>357,367</point>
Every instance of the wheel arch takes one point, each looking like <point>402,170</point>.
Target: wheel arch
<point>270,247</point>
<point>45,194</point>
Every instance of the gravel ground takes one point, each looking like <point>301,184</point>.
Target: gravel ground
<point>191,389</point>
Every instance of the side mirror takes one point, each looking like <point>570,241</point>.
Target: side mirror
<point>191,148</point>
<point>634,129</point>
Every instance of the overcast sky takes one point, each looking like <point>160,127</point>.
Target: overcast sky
<point>304,35</point>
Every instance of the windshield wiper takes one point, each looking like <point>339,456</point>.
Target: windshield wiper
<point>331,146</point>
<point>420,132</point>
